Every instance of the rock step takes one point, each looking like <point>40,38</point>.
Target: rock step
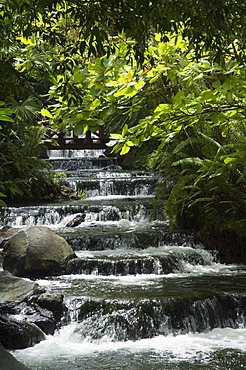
<point>123,263</point>
<point>95,238</point>
<point>98,210</point>
<point>196,310</point>
<point>73,164</point>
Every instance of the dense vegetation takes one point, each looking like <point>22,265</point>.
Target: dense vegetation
<point>172,72</point>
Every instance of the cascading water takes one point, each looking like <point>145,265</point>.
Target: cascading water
<point>138,296</point>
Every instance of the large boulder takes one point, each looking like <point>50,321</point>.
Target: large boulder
<point>36,251</point>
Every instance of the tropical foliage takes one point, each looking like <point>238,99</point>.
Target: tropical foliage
<point>200,124</point>
<point>172,71</point>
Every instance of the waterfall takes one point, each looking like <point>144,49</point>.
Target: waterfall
<point>138,296</point>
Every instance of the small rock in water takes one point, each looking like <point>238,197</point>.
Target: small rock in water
<point>76,220</point>
<point>112,167</point>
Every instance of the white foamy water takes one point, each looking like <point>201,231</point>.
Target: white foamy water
<point>67,345</point>
<point>78,153</point>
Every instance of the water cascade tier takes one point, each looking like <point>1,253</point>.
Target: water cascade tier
<point>138,296</point>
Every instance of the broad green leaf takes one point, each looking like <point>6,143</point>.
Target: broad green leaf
<point>80,129</point>
<point>95,104</point>
<point>129,91</point>
<point>217,173</point>
<point>124,130</point>
<point>198,107</point>
<point>171,75</point>
<point>130,143</point>
<point>139,85</point>
<point>216,84</point>
<point>6,111</point>
<point>218,118</point>
<point>70,121</point>
<point>84,115</point>
<point>78,76</point>
<point>229,160</point>
<point>179,97</point>
<point>125,149</point>
<point>239,95</point>
<point>207,95</point>
<point>162,108</point>
<point>229,97</point>
<point>5,118</point>
<point>46,113</point>
<point>100,122</point>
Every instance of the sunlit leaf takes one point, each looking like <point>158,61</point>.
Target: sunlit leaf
<point>46,113</point>
<point>229,160</point>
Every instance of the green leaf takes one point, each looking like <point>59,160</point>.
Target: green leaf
<point>80,129</point>
<point>124,130</point>
<point>229,160</point>
<point>225,131</point>
<point>2,203</point>
<point>218,118</point>
<point>139,85</point>
<point>100,122</point>
<point>95,104</point>
<point>6,111</point>
<point>216,84</point>
<point>78,76</point>
<point>162,108</point>
<point>229,97</point>
<point>198,107</point>
<point>46,113</point>
<point>5,118</point>
<point>217,173</point>
<point>207,95</point>
<point>179,97</point>
<point>130,143</point>
<point>125,149</point>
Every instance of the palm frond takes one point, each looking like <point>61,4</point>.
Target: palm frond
<point>26,110</point>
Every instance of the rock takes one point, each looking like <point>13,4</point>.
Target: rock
<point>19,334</point>
<point>9,362</point>
<point>5,233</point>
<point>80,217</point>
<point>36,251</point>
<point>52,302</point>
<point>14,289</point>
<point>25,308</point>
<point>43,318</point>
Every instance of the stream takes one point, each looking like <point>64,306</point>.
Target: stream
<point>139,297</point>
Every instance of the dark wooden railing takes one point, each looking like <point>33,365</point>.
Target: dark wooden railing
<point>95,140</point>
